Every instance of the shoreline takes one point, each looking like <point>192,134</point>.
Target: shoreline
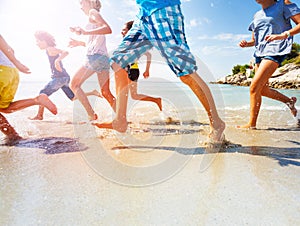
<point>285,77</point>
<point>158,172</point>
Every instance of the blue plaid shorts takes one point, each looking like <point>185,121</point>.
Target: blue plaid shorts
<point>164,30</point>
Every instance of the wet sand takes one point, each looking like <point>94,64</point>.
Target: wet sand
<point>158,173</point>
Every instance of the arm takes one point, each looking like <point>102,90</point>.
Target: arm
<point>146,73</point>
<point>293,31</point>
<point>9,53</point>
<point>75,43</point>
<point>102,26</point>
<point>62,54</point>
<point>250,43</point>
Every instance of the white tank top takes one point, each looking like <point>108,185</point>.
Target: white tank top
<point>4,61</point>
<point>96,43</point>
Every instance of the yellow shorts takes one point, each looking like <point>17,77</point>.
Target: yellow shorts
<point>9,81</point>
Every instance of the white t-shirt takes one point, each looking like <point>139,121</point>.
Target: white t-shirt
<point>96,43</point>
<point>5,61</point>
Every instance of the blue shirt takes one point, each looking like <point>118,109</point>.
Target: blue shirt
<point>147,7</point>
<point>273,20</point>
<point>56,73</point>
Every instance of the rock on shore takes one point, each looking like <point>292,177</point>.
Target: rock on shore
<point>285,77</point>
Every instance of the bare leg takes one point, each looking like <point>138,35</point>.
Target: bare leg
<point>94,93</point>
<point>197,85</point>
<point>201,90</point>
<point>40,114</point>
<point>42,99</point>
<point>79,78</point>
<point>142,97</point>
<point>275,95</point>
<point>103,79</point>
<point>291,105</point>
<point>8,130</point>
<point>263,72</point>
<point>120,122</point>
<point>91,93</point>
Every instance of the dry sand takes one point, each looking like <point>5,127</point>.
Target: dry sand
<point>66,173</point>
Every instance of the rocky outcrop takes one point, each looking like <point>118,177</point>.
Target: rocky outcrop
<point>286,77</point>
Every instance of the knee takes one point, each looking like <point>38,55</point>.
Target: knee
<point>185,79</point>
<point>254,90</point>
<point>74,86</point>
<point>265,90</point>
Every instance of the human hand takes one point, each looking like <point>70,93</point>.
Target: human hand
<point>22,68</point>
<point>77,30</point>
<point>146,74</point>
<point>243,43</point>
<point>270,38</point>
<point>73,43</point>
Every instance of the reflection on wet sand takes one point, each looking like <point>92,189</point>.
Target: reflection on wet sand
<point>53,145</point>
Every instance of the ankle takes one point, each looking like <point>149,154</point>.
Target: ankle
<point>218,125</point>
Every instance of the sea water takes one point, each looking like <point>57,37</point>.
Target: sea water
<point>175,93</point>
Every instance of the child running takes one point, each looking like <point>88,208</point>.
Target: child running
<point>160,24</point>
<point>9,81</point>
<point>97,60</point>
<point>134,73</point>
<point>60,77</point>
<point>272,36</point>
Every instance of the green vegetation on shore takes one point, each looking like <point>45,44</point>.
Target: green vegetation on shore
<point>293,57</point>
<point>285,77</point>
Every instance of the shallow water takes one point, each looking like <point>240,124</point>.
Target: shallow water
<point>56,177</point>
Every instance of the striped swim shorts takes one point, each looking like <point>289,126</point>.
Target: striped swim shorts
<point>164,30</point>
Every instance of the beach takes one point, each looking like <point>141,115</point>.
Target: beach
<point>68,172</point>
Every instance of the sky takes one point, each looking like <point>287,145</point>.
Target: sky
<point>213,29</point>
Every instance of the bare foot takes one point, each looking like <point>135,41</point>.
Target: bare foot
<point>36,118</point>
<point>217,135</point>
<point>159,104</point>
<point>115,125</point>
<point>291,105</point>
<point>216,138</point>
<point>12,139</point>
<point>93,117</point>
<point>247,126</point>
<point>43,100</point>
<point>96,93</point>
